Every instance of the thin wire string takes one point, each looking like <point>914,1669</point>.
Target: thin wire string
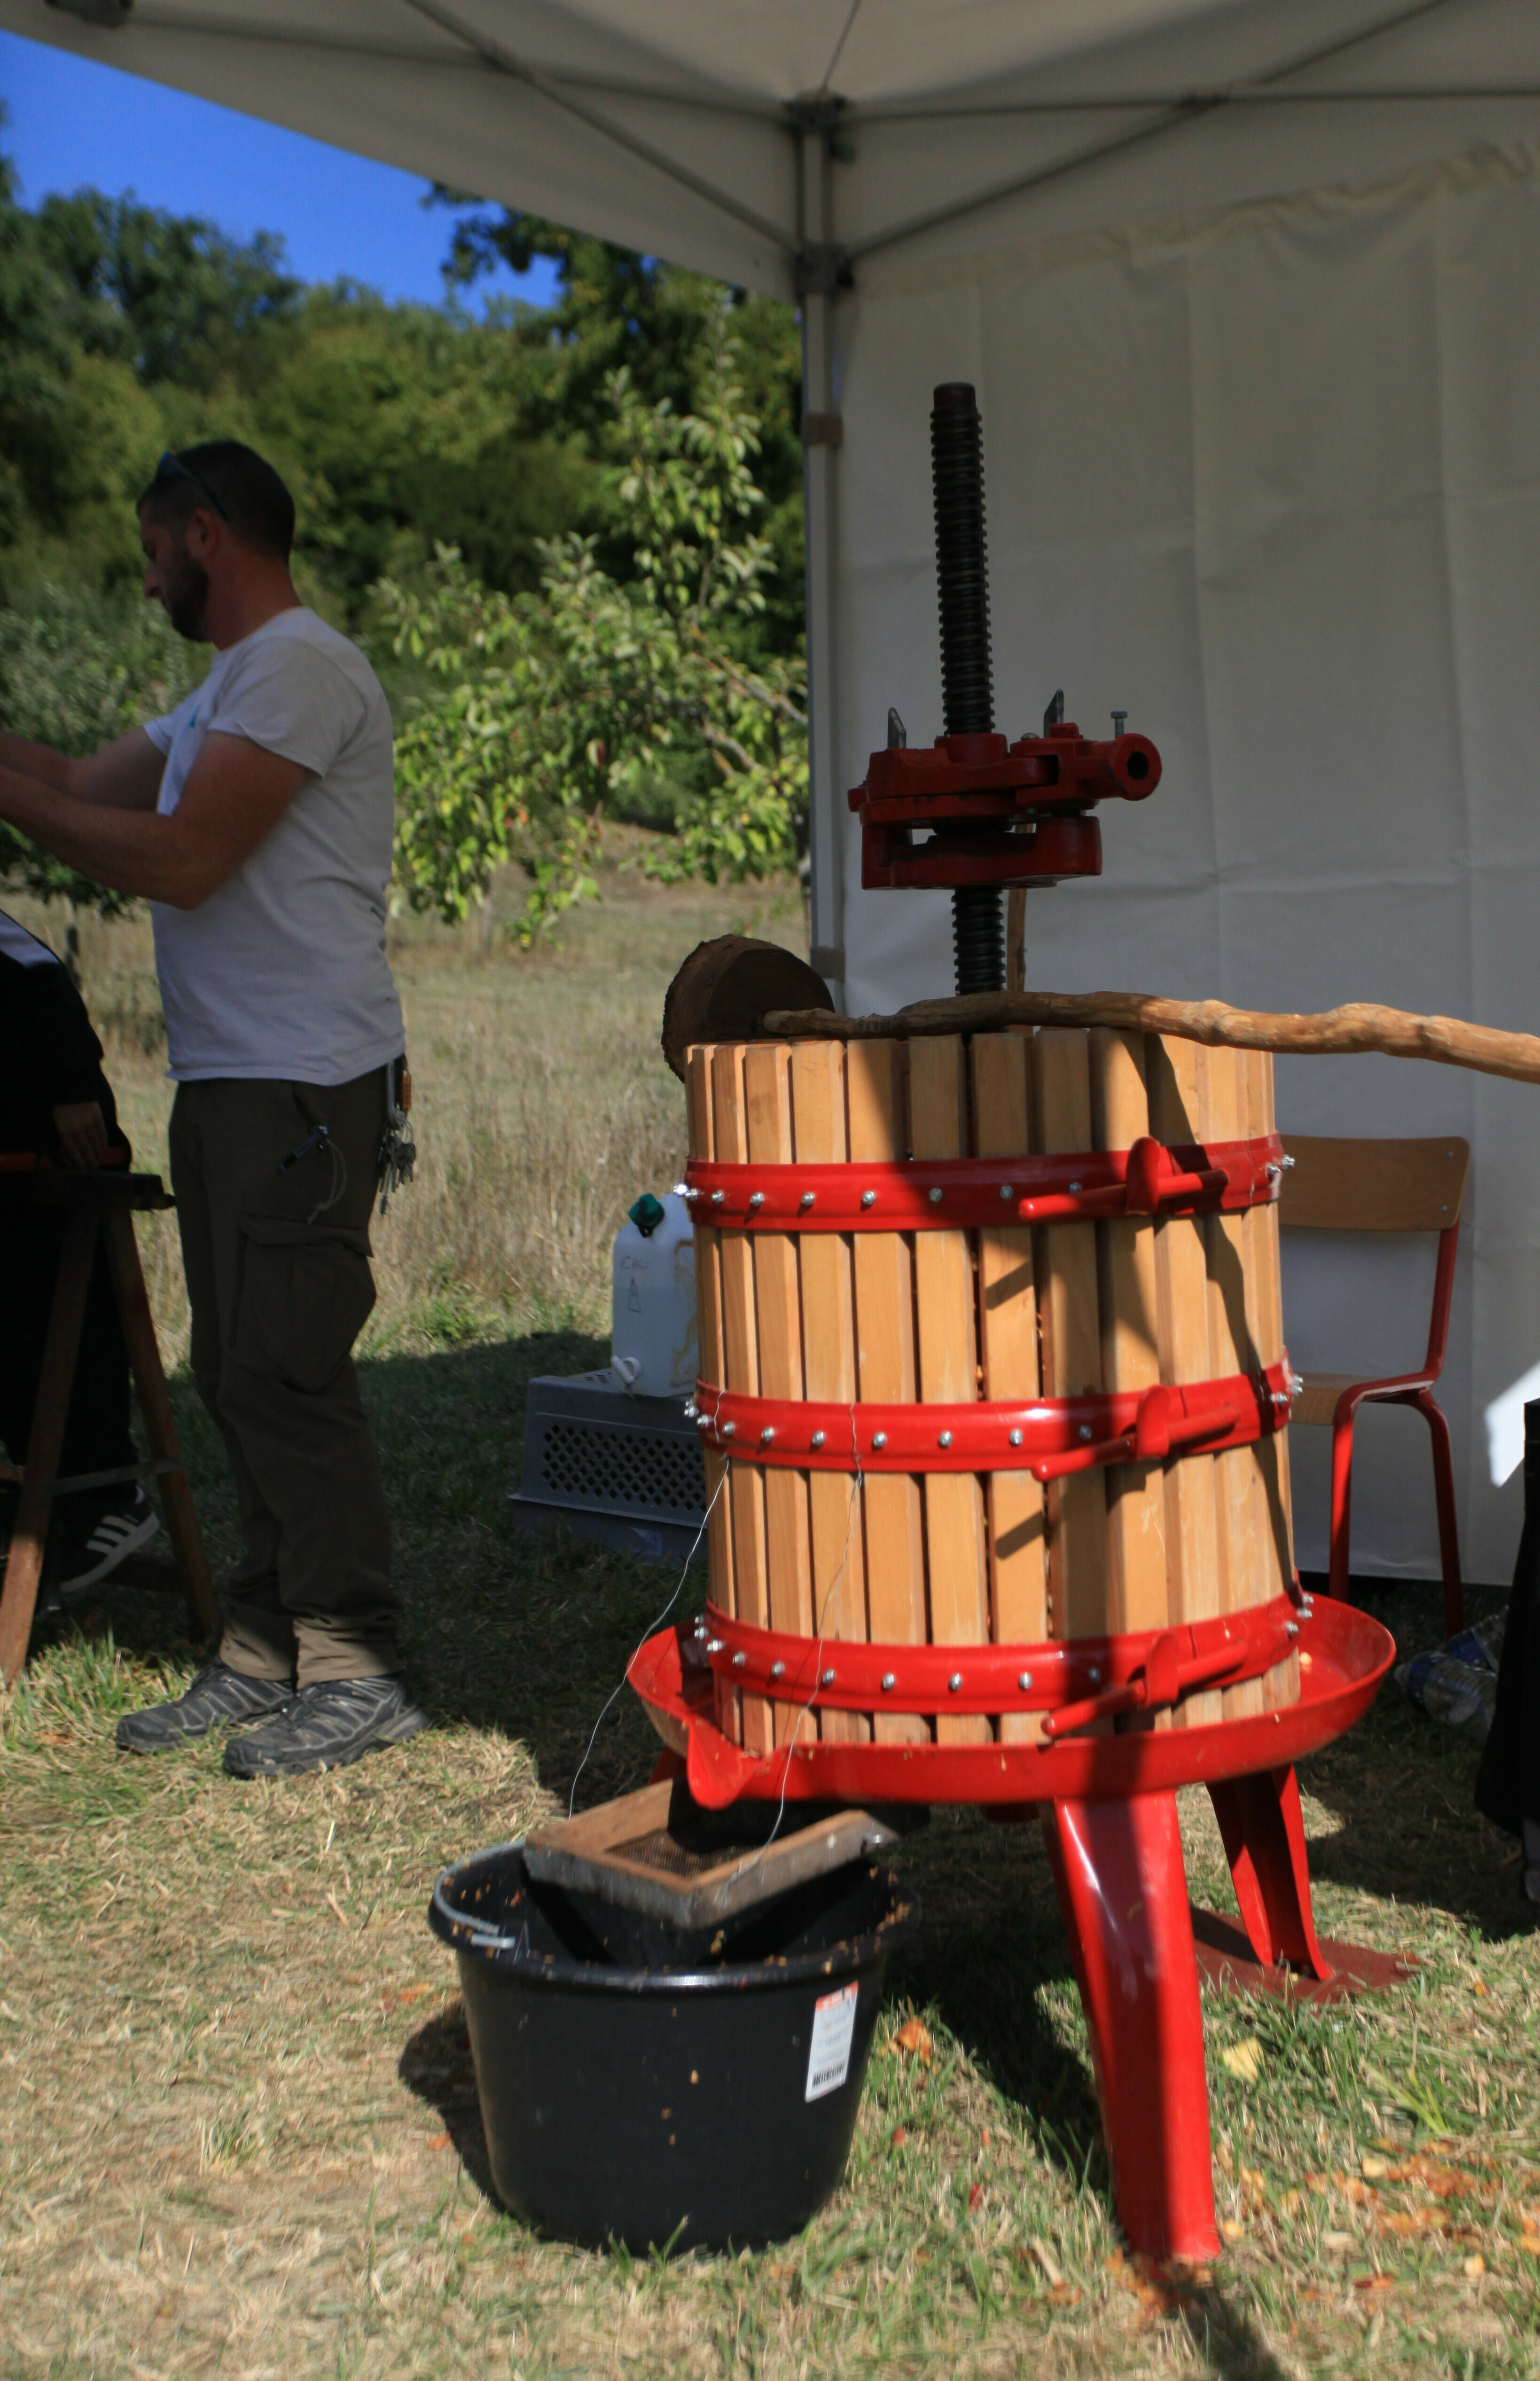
<point>856,1485</point>
<point>651,1631</point>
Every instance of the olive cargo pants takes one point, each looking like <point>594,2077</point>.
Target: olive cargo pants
<point>277,1274</point>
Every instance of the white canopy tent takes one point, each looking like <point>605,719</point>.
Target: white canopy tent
<point>1249,293</point>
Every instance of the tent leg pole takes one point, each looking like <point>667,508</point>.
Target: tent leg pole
<point>825,809</point>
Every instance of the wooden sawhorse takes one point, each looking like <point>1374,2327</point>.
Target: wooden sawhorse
<point>94,1204</point>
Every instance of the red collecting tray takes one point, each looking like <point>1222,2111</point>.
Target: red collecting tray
<point>1343,1656</point>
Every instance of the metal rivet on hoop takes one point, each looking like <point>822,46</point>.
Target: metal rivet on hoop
<point>945,1439</point>
<point>690,1408</point>
<point>767,1433</point>
<point>935,1197</point>
<point>1291,1627</point>
<point>1016,1438</point>
<point>728,1428</point>
<point>778,1669</point>
<point>683,1190</point>
<point>817,1438</point>
<point>718,1198</point>
<point>1007,1190</point>
<point>955,1681</point>
<point>1076,1188</point>
<point>879,1438</point>
<point>806,1198</point>
<point>713,1645</point>
<point>868,1198</point>
<point>1024,1681</point>
<point>889,1682</point>
<point>738,1660</point>
<point>756,1198</point>
<point>1085,1430</point>
<point>1093,1674</point>
<point>826,1679</point>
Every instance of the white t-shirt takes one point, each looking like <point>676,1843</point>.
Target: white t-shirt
<point>282,973</point>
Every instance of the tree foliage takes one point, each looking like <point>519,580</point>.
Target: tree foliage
<point>549,707</point>
<point>169,294</point>
<point>74,671</point>
<point>583,518</point>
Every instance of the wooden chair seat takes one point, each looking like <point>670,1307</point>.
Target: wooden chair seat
<point>1317,1400</point>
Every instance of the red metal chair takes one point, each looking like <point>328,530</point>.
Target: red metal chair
<point>1383,1186</point>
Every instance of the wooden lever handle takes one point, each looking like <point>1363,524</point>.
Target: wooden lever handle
<point>1358,1026</point>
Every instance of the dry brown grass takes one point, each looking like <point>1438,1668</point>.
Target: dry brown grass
<point>237,2122</point>
<point>541,1101</point>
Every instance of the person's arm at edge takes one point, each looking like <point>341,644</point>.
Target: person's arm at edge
<point>236,792</point>
<point>124,776</point>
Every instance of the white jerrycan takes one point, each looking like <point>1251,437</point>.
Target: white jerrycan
<point>653,1344</point>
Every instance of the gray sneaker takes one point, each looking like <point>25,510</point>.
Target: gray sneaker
<point>216,1696</point>
<point>326,1726</point>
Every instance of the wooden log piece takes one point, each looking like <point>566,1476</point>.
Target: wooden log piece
<point>1357,1026</point>
<point>721,991</point>
<point>956,1568</point>
<point>1007,1331</point>
<point>820,1136</point>
<point>708,1319</point>
<point>883,1267</point>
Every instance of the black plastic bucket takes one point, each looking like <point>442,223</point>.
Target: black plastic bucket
<point>653,2105</point>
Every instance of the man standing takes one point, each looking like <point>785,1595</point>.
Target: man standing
<point>257,821</point>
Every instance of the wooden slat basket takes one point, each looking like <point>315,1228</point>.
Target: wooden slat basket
<point>1013,1312</point>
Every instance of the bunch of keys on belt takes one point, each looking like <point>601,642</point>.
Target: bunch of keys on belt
<point>398,1149</point>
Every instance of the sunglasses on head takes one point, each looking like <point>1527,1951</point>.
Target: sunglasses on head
<point>171,466</point>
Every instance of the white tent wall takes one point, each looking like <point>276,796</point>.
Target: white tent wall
<point>1268,477</point>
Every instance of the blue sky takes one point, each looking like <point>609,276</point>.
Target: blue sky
<point>71,121</point>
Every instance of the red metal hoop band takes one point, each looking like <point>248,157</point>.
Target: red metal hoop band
<point>1048,1437</point>
<point>954,1193</point>
<point>1074,1684</point>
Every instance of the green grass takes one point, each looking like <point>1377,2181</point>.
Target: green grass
<point>238,2131</point>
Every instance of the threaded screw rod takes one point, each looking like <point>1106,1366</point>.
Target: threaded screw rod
<point>967,687</point>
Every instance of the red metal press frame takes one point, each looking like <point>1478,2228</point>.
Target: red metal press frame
<point>1107,1800</point>
<point>1007,813</point>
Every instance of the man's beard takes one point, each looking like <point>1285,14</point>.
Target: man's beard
<point>185,593</point>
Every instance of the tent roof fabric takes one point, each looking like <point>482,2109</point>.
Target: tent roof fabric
<point>674,125</point>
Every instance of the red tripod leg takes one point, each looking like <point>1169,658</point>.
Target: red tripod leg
<point>1123,1891</point>
<point>1263,1827</point>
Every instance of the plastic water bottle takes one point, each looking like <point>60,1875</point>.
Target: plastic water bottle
<point>1459,1693</point>
<point>654,1345</point>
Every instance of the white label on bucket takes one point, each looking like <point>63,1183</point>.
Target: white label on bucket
<point>834,2025</point>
